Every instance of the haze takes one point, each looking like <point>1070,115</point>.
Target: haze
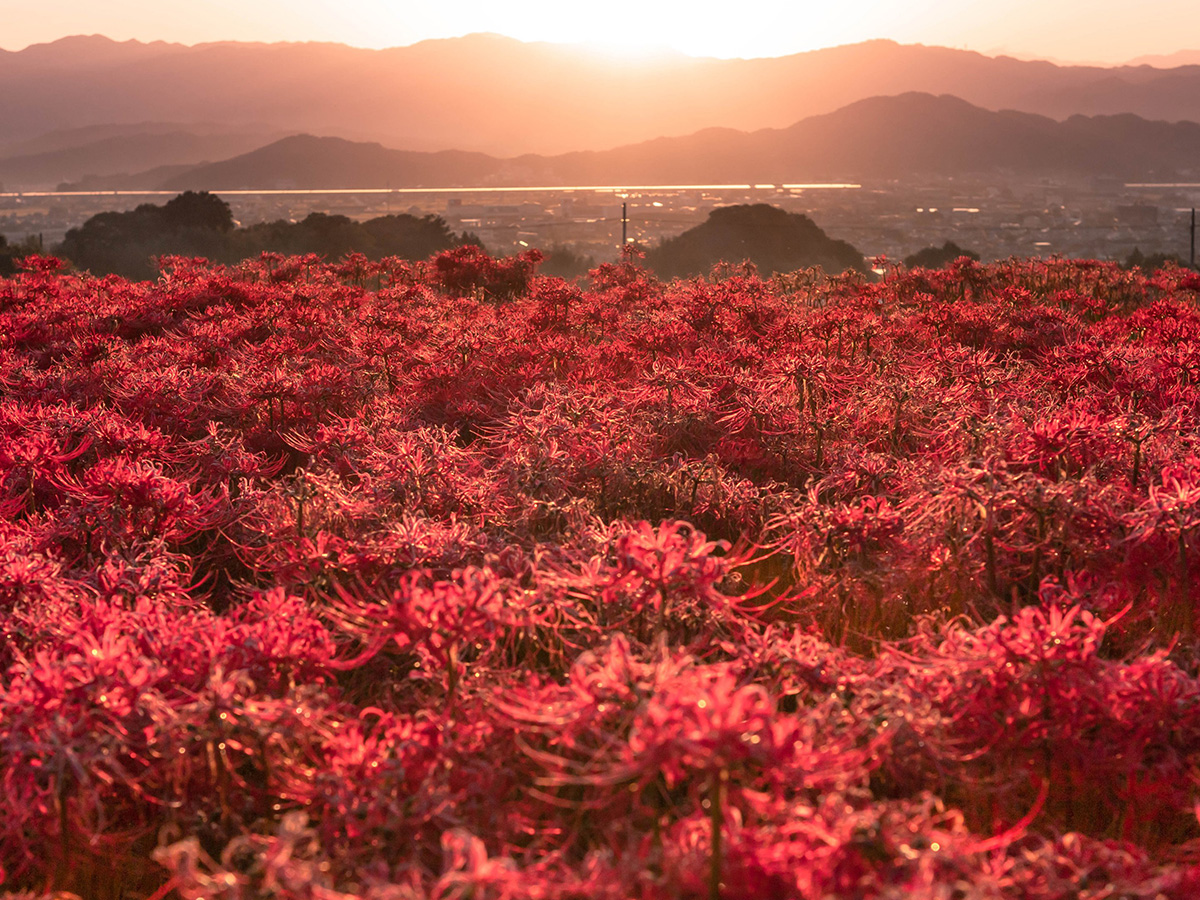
<point>1104,31</point>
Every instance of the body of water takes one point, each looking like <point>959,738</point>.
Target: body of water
<point>604,189</point>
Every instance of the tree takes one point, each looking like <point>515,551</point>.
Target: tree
<point>773,239</point>
<point>10,253</point>
<point>936,257</point>
<point>565,263</point>
<point>334,236</point>
<point>201,224</point>
<point>202,210</point>
<point>1152,262</point>
<point>125,243</point>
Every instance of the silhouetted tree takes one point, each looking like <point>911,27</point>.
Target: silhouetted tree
<point>202,224</point>
<point>566,263</point>
<point>936,257</point>
<point>1153,262</point>
<point>8,264</point>
<point>773,239</point>
<point>11,253</point>
<point>198,209</point>
<point>125,243</point>
<point>412,238</point>
<point>333,236</point>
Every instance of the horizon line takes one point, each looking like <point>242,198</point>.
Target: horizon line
<point>597,188</point>
<point>648,52</point>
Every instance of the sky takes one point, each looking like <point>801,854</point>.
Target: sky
<point>1103,31</point>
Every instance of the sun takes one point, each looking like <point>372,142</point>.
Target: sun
<point>747,29</point>
<point>645,29</point>
<point>611,30</point>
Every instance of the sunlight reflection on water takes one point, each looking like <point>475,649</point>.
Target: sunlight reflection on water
<point>612,189</point>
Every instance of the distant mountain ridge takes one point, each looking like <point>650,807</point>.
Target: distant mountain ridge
<point>881,137</point>
<point>120,151</point>
<point>307,161</point>
<point>1169,60</point>
<point>491,94</point>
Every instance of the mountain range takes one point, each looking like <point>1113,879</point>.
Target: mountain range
<point>92,106</point>
<point>161,147</point>
<point>879,138</point>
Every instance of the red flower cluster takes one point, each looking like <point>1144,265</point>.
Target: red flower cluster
<point>446,580</point>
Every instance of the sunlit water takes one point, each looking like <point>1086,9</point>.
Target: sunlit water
<point>609,189</point>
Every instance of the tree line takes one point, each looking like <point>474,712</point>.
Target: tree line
<point>197,223</point>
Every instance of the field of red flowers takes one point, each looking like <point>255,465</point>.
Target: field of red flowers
<point>449,580</point>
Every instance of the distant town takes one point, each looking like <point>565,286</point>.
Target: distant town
<point>997,219</point>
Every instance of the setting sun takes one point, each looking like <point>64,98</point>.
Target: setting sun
<point>718,30</point>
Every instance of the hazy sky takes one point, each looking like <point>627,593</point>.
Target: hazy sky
<point>1068,30</point>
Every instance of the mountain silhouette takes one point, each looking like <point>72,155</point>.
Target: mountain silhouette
<point>881,137</point>
<point>492,94</point>
<point>119,151</point>
<point>306,161</point>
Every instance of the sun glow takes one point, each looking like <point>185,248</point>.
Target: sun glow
<point>645,30</point>
<point>631,50</point>
<point>653,29</point>
<point>1060,29</point>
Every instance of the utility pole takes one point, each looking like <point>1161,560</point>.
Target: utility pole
<point>625,226</point>
<point>1192,258</point>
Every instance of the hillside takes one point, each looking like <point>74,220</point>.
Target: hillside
<point>887,137</point>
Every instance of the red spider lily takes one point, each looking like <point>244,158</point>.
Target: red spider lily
<point>468,269</point>
<point>42,265</point>
<point>441,618</point>
<point>1162,529</point>
<point>129,503</point>
<point>418,579</point>
<point>668,564</point>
